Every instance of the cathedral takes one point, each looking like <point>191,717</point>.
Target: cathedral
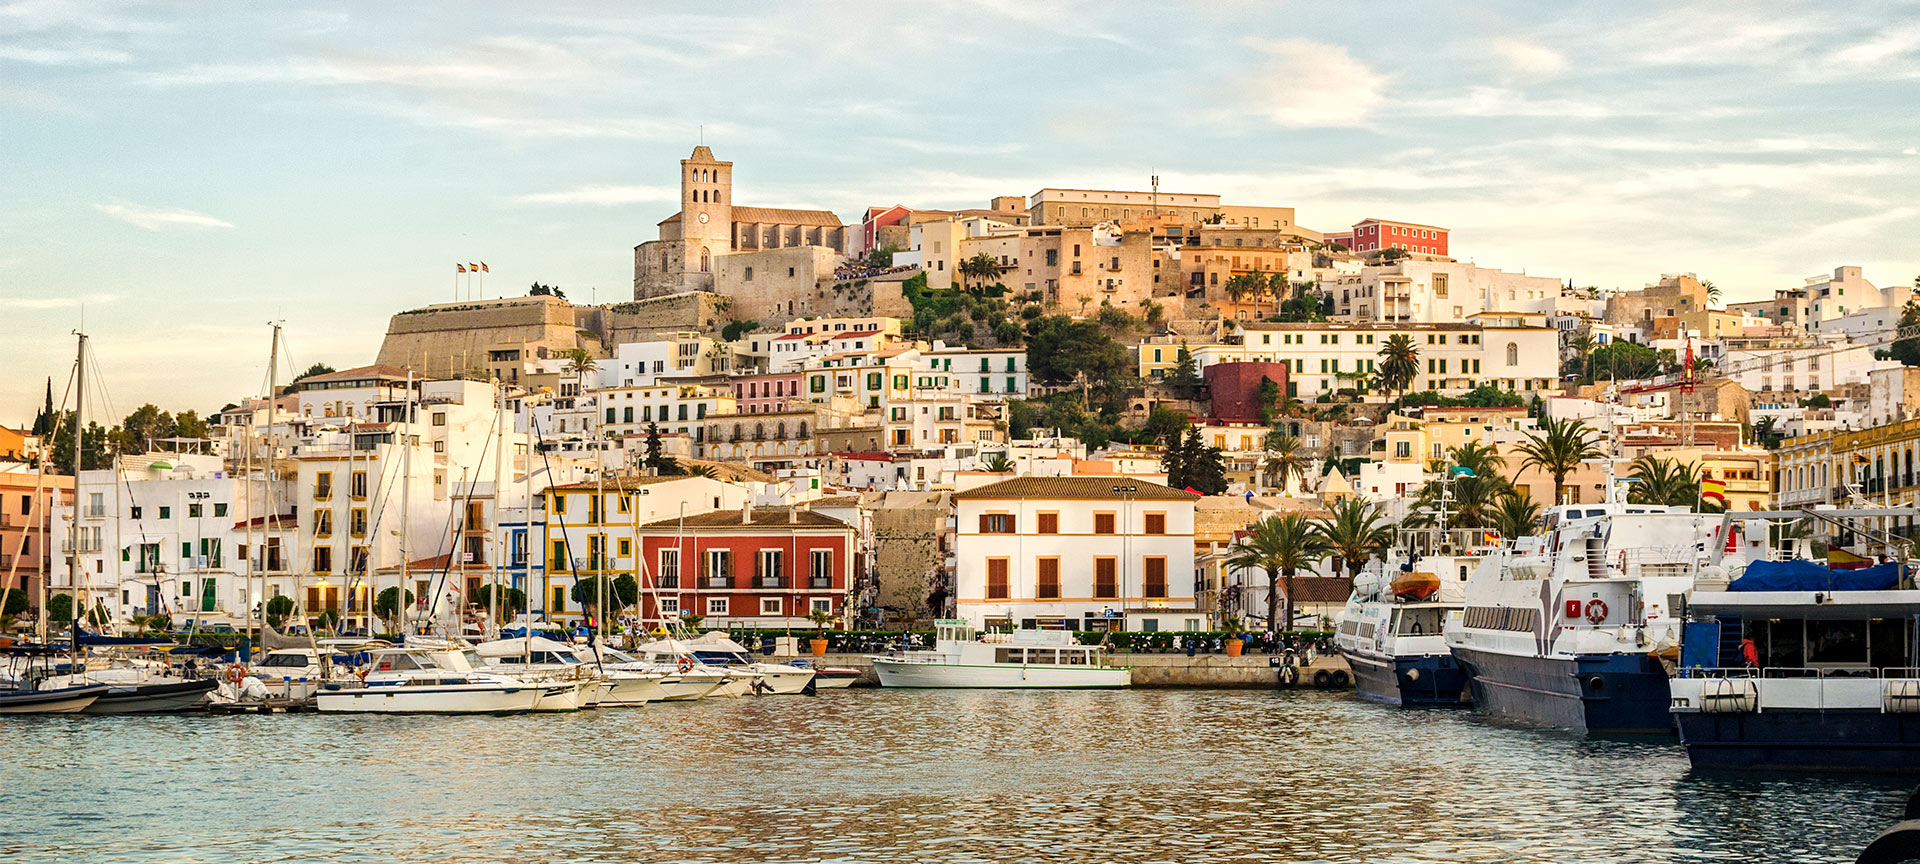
<point>705,239</point>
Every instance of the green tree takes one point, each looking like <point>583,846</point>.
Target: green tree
<point>978,269</point>
<point>13,602</point>
<point>1516,516</point>
<point>1558,449</point>
<point>1622,359</point>
<point>60,609</point>
<point>146,425</point>
<point>278,609</point>
<point>1060,350</point>
<point>187,424</point>
<point>1399,362</point>
<point>43,421</point>
<point>513,601</point>
<point>1489,396</point>
<point>1581,344</point>
<point>388,606</point>
<point>1185,380</point>
<point>882,257</point>
<point>1907,351</point>
<point>1279,546</point>
<point>1173,458</point>
<point>1479,458</point>
<point>1206,472</point>
<point>620,591</point>
<point>736,329</point>
<point>1668,482</point>
<point>96,452</point>
<point>1286,460</point>
<point>1354,534</point>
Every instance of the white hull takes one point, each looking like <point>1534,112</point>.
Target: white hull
<point>630,690</point>
<point>438,699</point>
<point>688,689</point>
<point>781,680</point>
<point>898,673</point>
<point>566,695</point>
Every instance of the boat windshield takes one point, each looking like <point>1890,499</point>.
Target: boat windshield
<point>285,661</point>
<point>721,658</point>
<point>608,655</point>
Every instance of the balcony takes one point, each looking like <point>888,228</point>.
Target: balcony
<point>770,582</point>
<point>820,582</point>
<point>720,582</point>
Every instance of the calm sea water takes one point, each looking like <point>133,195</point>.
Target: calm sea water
<point>871,775</point>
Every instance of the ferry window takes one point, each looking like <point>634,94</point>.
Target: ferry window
<point>1784,643</point>
<point>1887,640</point>
<point>1043,656</point>
<point>1836,641</point>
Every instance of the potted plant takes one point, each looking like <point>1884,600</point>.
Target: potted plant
<point>1232,628</point>
<point>820,618</point>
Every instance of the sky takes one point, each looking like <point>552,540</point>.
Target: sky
<point>175,176</point>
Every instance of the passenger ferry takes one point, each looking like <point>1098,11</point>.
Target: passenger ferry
<point>1570,629</point>
<point>1833,687</point>
<point>1390,632</point>
<point>1021,659</point>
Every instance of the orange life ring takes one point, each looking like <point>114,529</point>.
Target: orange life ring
<point>1596,611</point>
<point>236,674</point>
<point>686,665</point>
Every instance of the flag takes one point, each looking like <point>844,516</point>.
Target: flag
<point>1839,558</point>
<point>459,268</point>
<point>1861,460</point>
<point>1715,489</point>
<point>1490,536</point>
<point>1194,491</point>
<point>1463,471</point>
<point>483,267</point>
<point>473,268</point>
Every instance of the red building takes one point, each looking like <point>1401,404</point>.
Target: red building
<point>764,567</point>
<point>1235,388</point>
<point>765,394</point>
<point>1415,238</point>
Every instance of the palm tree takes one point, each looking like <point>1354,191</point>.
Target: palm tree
<point>997,463</point>
<point>1479,458</point>
<point>1354,534</point>
<point>1582,346</point>
<point>1285,460</point>
<point>1278,546</point>
<point>1668,482</point>
<point>981,266</point>
<point>1516,516</point>
<point>1400,361</point>
<point>1713,292</point>
<point>1559,451</point>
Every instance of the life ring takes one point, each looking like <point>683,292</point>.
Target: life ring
<point>236,674</point>
<point>1596,611</point>
<point>686,665</point>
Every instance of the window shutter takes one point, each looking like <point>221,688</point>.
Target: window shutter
<point>983,523</point>
<point>1011,529</point>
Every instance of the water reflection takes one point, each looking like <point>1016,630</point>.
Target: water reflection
<point>889,775</point>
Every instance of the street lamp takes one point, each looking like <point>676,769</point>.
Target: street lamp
<point>1126,530</point>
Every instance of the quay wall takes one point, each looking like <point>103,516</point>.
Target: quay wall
<point>1247,672</point>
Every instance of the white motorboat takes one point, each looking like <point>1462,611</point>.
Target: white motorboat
<point>679,682</point>
<point>745,675</point>
<point>1021,659</point>
<point>135,687</point>
<point>621,687</point>
<point>434,681</point>
<point>543,661</point>
<point>296,673</point>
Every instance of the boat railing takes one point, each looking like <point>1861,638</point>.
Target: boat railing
<point>1891,689</point>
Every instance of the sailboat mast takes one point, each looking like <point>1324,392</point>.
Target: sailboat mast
<point>79,439</point>
<point>266,474</point>
<point>406,490</point>
<point>499,496</point>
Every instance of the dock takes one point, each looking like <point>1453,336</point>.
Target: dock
<point>1201,671</point>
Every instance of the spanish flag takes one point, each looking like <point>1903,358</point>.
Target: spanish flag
<point>1715,489</point>
<point>483,267</point>
<point>473,268</point>
<point>1490,537</point>
<point>1840,558</point>
<point>459,268</point>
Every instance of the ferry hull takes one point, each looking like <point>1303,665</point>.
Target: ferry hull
<point>1408,681</point>
<point>894,673</point>
<point>1863,741</point>
<point>1605,693</point>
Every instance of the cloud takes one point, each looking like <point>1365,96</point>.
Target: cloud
<point>1502,102</point>
<point>1529,59</point>
<point>1305,84</point>
<point>600,196</point>
<point>37,100</point>
<point>159,218</point>
<point>72,56</point>
<point>38,303</point>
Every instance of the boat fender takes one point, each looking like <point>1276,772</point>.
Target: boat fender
<point>1340,680</point>
<point>1322,679</point>
<point>1289,676</point>
<point>1596,611</point>
<point>236,673</point>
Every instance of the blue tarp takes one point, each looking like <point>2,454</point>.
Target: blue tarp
<point>1810,576</point>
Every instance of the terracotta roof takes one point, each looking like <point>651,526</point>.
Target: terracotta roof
<point>283,521</point>
<point>763,517</point>
<point>1097,488</point>
<point>628,481</point>
<point>784,216</point>
<point>1319,589</point>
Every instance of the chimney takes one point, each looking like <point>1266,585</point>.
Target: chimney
<point>746,512</point>
<point>793,514</point>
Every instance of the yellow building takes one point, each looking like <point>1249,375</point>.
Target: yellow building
<point>1830,468</point>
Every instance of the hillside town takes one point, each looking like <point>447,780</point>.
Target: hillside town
<point>1072,409</point>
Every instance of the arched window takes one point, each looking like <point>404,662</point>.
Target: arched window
<point>1513,353</point>
<point>706,260</point>
<point>803,428</point>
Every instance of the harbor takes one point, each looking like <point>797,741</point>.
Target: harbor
<point>921,775</point>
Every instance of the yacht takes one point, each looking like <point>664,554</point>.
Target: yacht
<point>683,681</point>
<point>1570,629</point>
<point>23,683</point>
<point>1390,632</point>
<point>542,661</point>
<point>960,658</point>
<point>746,675</point>
<point>1835,687</point>
<point>434,681</point>
<point>298,673</point>
<point>138,687</point>
<point>621,687</point>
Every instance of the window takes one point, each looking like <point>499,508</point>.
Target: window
<point>716,605</point>
<point>357,522</point>
<point>770,606</point>
<point>669,568</point>
<point>439,418</point>
<point>996,579</point>
<point>771,568</point>
<point>996,523</point>
<point>558,602</point>
<point>1155,568</point>
<point>719,568</point>
<point>821,568</point>
<point>135,510</point>
<point>1156,523</point>
<point>1049,523</point>
<point>626,547</point>
<point>1047,584</point>
<point>873,380</point>
<point>323,559</point>
<point>1106,578</point>
<point>1513,354</point>
<point>193,511</point>
<point>669,606</point>
<point>1103,523</point>
<point>748,277</point>
<point>323,523</point>
<point>821,604</point>
<point>558,560</point>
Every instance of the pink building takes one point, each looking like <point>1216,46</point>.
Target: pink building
<point>766,393</point>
